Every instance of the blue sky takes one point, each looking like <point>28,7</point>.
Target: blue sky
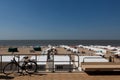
<point>59,19</point>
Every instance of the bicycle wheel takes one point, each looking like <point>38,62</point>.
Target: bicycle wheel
<point>9,68</point>
<point>31,67</point>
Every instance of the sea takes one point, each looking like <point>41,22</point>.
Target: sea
<point>58,42</point>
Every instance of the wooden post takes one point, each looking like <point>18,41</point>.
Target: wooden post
<point>1,63</point>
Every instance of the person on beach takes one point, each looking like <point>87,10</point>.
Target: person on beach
<point>48,55</point>
<point>110,59</point>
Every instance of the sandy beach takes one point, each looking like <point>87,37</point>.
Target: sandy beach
<point>59,39</point>
<point>61,76</point>
<point>55,76</point>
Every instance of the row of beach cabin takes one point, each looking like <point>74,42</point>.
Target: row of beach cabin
<point>53,62</point>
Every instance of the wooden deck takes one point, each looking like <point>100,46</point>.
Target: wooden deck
<point>102,66</point>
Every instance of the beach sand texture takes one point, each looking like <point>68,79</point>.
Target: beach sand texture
<point>55,76</point>
<point>61,76</point>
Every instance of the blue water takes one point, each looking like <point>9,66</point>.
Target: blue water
<point>58,42</point>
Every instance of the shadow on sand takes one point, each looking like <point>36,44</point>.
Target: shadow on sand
<point>6,77</point>
<point>117,73</point>
<point>2,77</point>
<point>39,74</point>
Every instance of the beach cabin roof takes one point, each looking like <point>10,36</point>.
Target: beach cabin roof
<point>40,59</point>
<point>58,59</point>
<point>9,58</point>
<point>91,59</point>
<point>62,59</point>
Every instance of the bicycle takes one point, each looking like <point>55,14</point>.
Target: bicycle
<point>29,66</point>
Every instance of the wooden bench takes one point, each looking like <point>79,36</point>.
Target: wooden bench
<point>100,66</point>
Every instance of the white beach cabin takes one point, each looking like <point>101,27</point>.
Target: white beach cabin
<point>41,62</point>
<point>6,59</point>
<point>88,59</point>
<point>62,63</point>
